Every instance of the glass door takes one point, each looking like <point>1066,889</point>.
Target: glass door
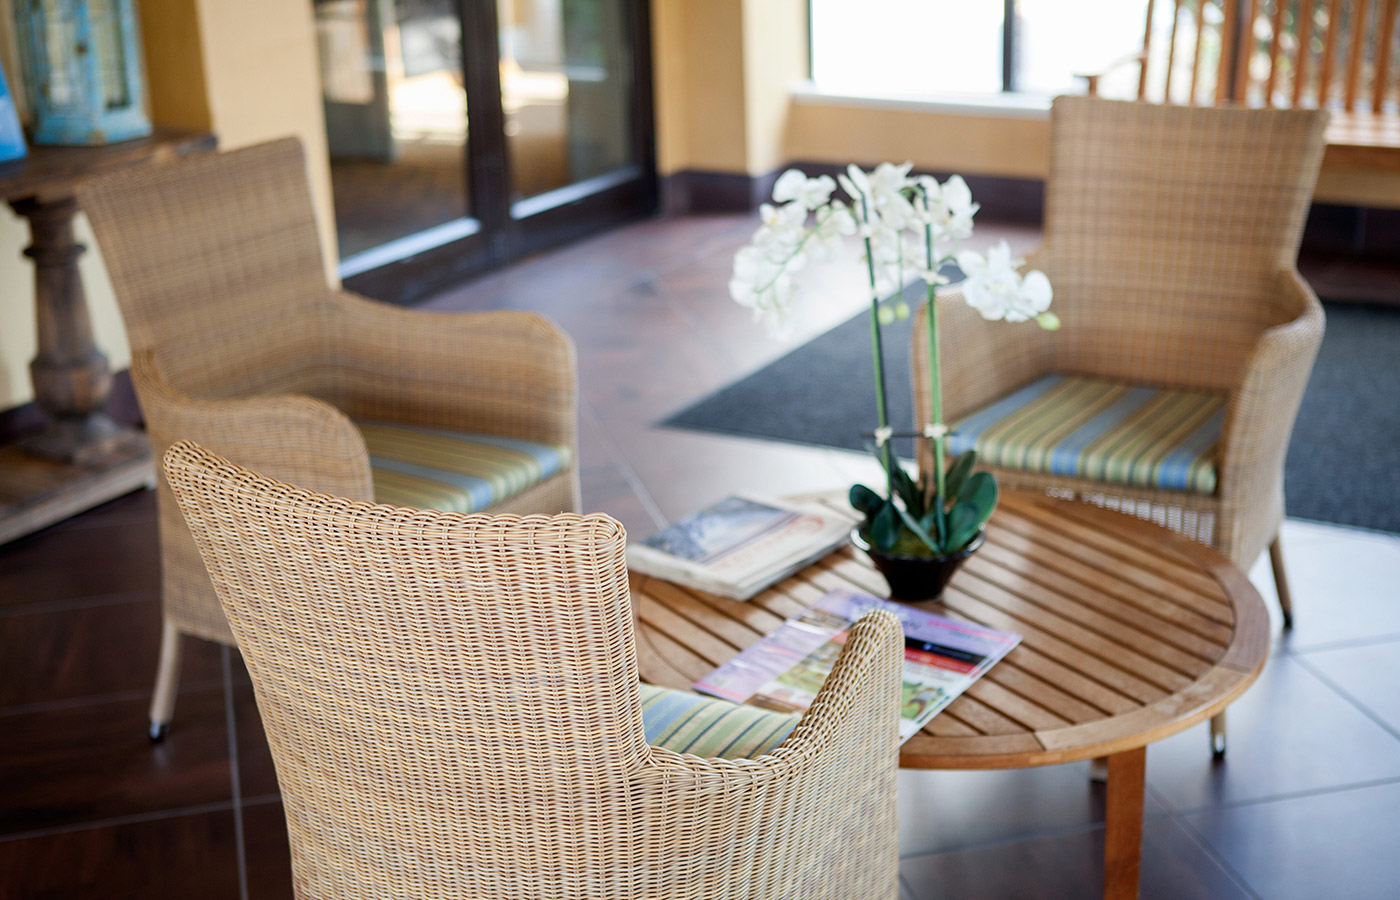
<point>467,133</point>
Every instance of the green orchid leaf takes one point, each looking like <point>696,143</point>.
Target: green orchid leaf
<point>963,522</point>
<point>884,528</point>
<point>907,490</point>
<point>864,500</point>
<point>920,532</point>
<point>957,476</point>
<point>981,492</point>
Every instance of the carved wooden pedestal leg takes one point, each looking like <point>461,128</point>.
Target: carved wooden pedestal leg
<point>70,375</point>
<point>82,458</point>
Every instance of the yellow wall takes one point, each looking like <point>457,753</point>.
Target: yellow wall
<point>243,69</point>
<point>775,58</point>
<point>839,132</point>
<point>699,83</point>
<point>722,72</point>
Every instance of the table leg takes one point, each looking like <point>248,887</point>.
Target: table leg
<point>70,375</point>
<point>1123,820</point>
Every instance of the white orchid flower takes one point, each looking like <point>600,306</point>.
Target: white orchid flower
<point>887,179</point>
<point>809,193</point>
<point>996,290</point>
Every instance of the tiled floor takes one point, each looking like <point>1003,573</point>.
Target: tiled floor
<point>1306,803</point>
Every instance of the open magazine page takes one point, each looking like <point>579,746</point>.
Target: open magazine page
<point>784,671</point>
<point>740,545</point>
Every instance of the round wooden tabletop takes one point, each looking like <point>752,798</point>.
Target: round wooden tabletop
<point>1129,633</point>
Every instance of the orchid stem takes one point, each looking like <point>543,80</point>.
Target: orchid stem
<point>935,394</point>
<point>877,352</point>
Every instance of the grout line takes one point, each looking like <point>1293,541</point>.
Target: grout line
<point>44,706</point>
<point>1347,696</point>
<point>118,821</point>
<point>623,466</point>
<point>1294,795</point>
<point>1205,846</point>
<point>1283,648</point>
<point>73,604</point>
<point>236,784</point>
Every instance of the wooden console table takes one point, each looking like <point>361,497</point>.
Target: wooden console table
<point>1130,633</point>
<point>82,457</point>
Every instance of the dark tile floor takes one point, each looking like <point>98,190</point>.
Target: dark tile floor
<point>1306,804</point>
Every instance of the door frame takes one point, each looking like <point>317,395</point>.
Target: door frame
<point>509,231</point>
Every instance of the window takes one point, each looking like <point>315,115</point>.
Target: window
<point>914,47</point>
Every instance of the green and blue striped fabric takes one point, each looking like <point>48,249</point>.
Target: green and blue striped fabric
<point>1101,430</point>
<point>708,727</point>
<point>454,471</point>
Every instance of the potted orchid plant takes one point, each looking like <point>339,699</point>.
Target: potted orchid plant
<point>906,226</point>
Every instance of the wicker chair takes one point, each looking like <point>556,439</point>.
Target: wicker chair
<point>1171,235</point>
<point>453,708</point>
<point>239,341</point>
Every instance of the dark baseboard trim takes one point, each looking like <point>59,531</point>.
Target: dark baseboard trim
<point>1347,231</point>
<point>693,191</point>
<point>28,418</point>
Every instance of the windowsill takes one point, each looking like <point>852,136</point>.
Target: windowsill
<point>1005,105</point>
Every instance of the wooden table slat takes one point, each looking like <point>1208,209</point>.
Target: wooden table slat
<point>1014,706</point>
<point>945,724</point>
<point>725,619</point>
<point>1129,650</point>
<point>1093,566</point>
<point>1042,693</point>
<point>1047,567</point>
<point>980,717</point>
<point>1196,703</point>
<point>663,662</point>
<point>1022,576</point>
<point>1101,697</point>
<point>668,623</point>
<point>856,573</point>
<point>1152,554</point>
<point>1093,667</point>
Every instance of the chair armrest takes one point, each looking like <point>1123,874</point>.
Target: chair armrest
<point>1091,79</point>
<point>823,798</point>
<point>1259,417</point>
<point>290,437</point>
<point>505,372</point>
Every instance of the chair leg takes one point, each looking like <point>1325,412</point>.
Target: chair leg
<point>1217,734</point>
<point>167,679</point>
<point>1285,600</point>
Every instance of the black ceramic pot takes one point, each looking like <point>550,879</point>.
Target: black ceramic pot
<point>916,578</point>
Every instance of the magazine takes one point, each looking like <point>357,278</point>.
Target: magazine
<point>784,671</point>
<point>737,547</point>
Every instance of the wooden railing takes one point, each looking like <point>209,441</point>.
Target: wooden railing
<point>1340,54</point>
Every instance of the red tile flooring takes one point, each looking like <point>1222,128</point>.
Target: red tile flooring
<point>1304,804</point>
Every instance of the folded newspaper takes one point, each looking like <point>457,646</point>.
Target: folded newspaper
<point>784,671</point>
<point>740,545</point>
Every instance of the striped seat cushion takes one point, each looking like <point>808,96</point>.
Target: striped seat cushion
<point>454,471</point>
<point>1102,430</point>
<point>705,726</point>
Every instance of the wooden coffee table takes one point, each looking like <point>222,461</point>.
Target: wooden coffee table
<point>1130,633</point>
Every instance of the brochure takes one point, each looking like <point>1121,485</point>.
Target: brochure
<point>740,545</point>
<point>784,671</point>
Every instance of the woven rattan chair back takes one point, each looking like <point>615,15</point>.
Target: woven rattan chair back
<point>224,278</point>
<point>452,705</point>
<point>1169,227</point>
<point>439,691</point>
